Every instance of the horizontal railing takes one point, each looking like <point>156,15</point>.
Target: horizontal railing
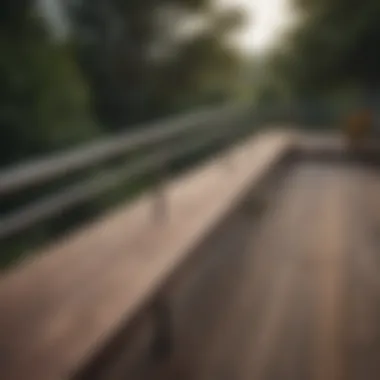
<point>42,170</point>
<point>200,129</point>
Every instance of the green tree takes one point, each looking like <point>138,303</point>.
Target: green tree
<point>43,99</point>
<point>142,63</point>
<point>335,45</point>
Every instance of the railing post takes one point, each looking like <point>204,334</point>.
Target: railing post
<point>160,206</point>
<point>163,341</point>
<point>228,161</point>
<point>160,201</point>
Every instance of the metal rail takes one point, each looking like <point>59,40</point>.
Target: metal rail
<point>217,124</point>
<point>43,170</point>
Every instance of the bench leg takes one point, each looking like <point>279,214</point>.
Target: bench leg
<point>163,342</point>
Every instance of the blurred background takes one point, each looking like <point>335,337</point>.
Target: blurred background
<point>72,70</point>
<point>76,71</point>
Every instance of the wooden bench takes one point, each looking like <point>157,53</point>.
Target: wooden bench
<point>59,309</point>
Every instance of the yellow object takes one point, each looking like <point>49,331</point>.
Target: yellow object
<point>358,126</point>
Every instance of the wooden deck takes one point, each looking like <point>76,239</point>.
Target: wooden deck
<point>303,294</point>
<point>290,294</point>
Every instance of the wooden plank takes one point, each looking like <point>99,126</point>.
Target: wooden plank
<point>330,250</point>
<point>56,310</point>
<point>362,308</point>
<point>282,245</point>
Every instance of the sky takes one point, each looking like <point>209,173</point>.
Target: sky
<point>266,21</point>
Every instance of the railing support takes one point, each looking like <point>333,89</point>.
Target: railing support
<point>160,201</point>
<point>160,205</point>
<point>164,341</point>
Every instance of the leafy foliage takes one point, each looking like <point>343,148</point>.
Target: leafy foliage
<point>44,101</point>
<point>141,63</point>
<point>336,44</point>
